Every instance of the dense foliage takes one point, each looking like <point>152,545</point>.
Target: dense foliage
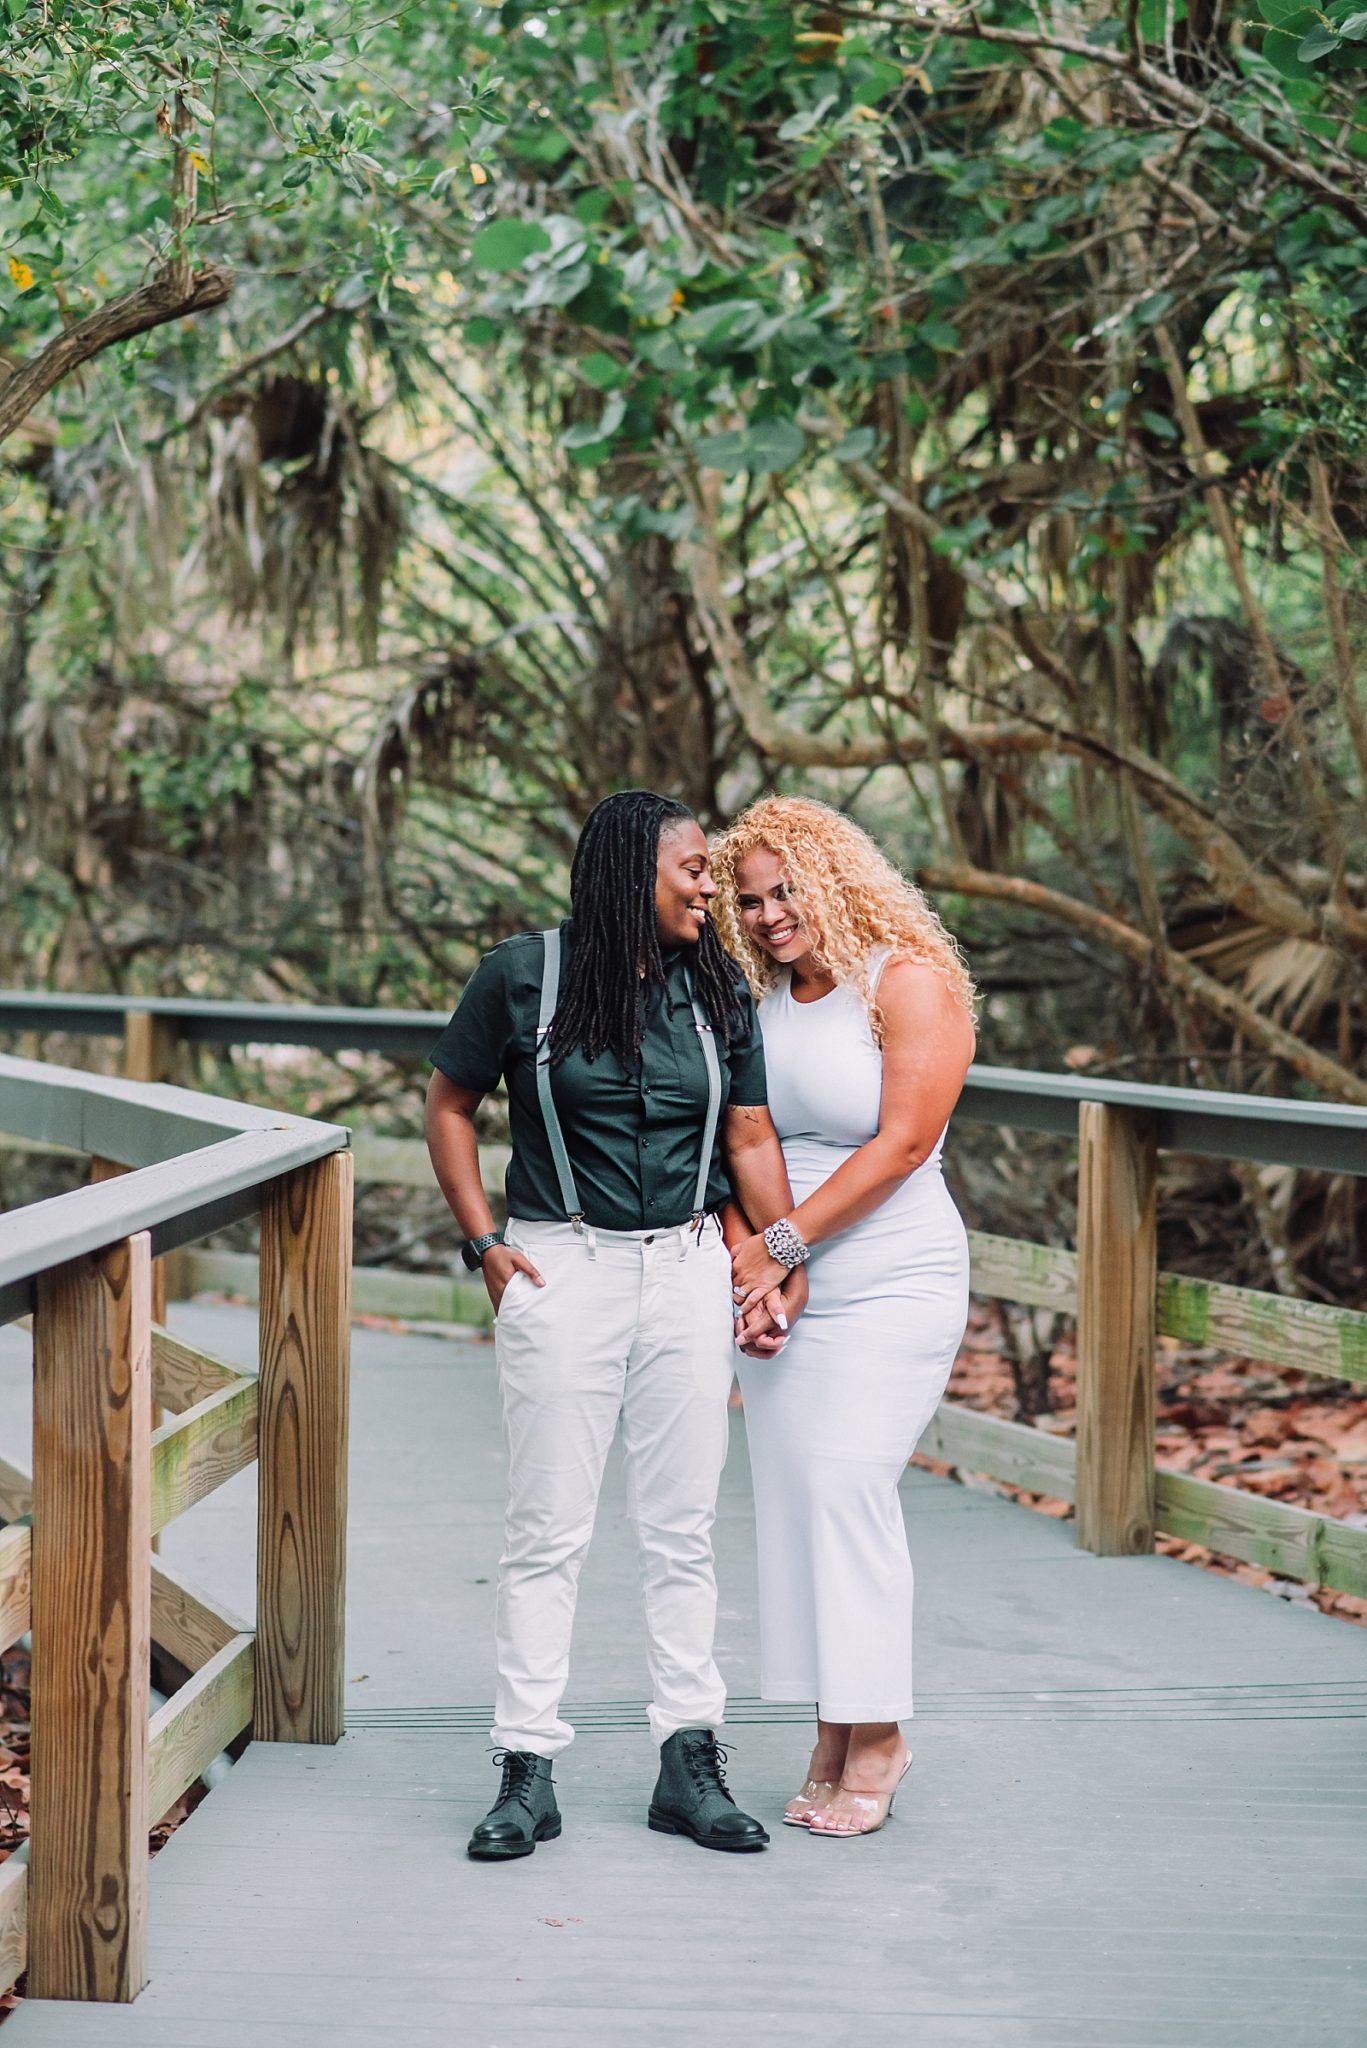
<point>960,411</point>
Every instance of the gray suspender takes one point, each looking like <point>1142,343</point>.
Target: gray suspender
<point>564,1172</point>
<point>709,1129</point>
<point>550,995</point>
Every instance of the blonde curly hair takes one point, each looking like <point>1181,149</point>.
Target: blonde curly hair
<point>853,900</point>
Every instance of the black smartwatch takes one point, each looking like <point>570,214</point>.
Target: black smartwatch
<point>474,1248</point>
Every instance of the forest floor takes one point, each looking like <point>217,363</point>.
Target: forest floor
<point>1286,1435</point>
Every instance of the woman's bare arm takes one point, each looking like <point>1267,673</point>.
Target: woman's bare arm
<point>449,1126</point>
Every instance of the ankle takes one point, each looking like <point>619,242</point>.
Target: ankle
<point>874,1752</point>
<point>829,1750</point>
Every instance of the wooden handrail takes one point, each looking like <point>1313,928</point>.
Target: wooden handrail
<point>78,1568</point>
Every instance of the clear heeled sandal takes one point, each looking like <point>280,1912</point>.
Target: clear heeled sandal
<point>870,1810</point>
<point>815,1795</point>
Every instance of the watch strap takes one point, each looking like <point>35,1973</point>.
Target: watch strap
<point>474,1248</point>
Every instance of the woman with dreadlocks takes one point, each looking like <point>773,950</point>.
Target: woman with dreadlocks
<point>637,1107</point>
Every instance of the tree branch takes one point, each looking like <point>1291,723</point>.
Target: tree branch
<point>1338,924</point>
<point>1171,92</point>
<point>151,305</point>
<point>792,745</point>
<point>1333,1080</point>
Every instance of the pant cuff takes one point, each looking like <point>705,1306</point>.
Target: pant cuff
<point>663,1726</point>
<point>536,1745</point>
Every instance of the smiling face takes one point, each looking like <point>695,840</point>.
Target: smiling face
<point>683,884</point>
<point>771,915</point>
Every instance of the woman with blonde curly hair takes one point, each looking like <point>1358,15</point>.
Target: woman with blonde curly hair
<point>866,1007</point>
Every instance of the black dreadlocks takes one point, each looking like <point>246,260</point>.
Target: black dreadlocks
<point>612,901</point>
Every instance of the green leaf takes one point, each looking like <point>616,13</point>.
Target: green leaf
<point>874,79</point>
<point>1281,44</point>
<point>1159,423</point>
<point>761,449</point>
<point>1321,42</point>
<point>939,333</point>
<point>711,326</point>
<point>603,370</point>
<point>854,446</point>
<point>589,433</point>
<point>506,244</point>
<point>590,207</point>
<point>1354,29</point>
<point>480,331</point>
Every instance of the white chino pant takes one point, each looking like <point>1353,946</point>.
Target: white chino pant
<point>633,1325</point>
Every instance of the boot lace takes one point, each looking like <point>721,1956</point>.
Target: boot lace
<point>519,1772</point>
<point>706,1761</point>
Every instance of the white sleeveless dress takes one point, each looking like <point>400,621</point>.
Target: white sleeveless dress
<point>832,1420</point>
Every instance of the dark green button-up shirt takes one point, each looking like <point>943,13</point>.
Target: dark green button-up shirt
<point>633,1136</point>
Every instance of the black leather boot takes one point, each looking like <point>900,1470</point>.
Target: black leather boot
<point>691,1796</point>
<point>524,1812</point>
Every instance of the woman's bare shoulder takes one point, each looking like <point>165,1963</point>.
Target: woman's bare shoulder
<point>913,995</point>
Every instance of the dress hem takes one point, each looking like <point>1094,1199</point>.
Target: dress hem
<point>804,1696</point>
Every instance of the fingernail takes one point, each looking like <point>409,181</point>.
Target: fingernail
<point>781,1320</point>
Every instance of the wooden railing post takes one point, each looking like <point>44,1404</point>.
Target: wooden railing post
<point>149,1045</point>
<point>92,1409</point>
<point>302,1452</point>
<point>1116,1312</point>
<point>149,1052</point>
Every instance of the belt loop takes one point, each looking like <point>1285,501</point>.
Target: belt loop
<point>590,1237</point>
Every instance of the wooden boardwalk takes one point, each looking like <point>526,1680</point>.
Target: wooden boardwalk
<point>1135,1820</point>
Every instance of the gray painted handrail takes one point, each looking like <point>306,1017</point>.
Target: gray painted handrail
<point>135,1122</point>
<point>200,1022</point>
<point>199,1163</point>
<point>1274,1130</point>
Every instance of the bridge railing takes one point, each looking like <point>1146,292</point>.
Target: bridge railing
<point>1110,1281</point>
<point>76,1562</point>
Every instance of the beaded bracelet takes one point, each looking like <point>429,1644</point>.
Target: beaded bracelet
<point>786,1243</point>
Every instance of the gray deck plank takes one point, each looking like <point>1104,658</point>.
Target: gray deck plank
<point>1135,1818</point>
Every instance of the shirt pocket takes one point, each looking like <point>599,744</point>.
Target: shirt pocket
<point>675,1072</point>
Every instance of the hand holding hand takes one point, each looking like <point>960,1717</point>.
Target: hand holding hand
<point>755,1272</point>
<point>762,1331</point>
<point>498,1266</point>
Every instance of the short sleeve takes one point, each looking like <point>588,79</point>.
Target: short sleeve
<point>472,1048</point>
<point>745,1056</point>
